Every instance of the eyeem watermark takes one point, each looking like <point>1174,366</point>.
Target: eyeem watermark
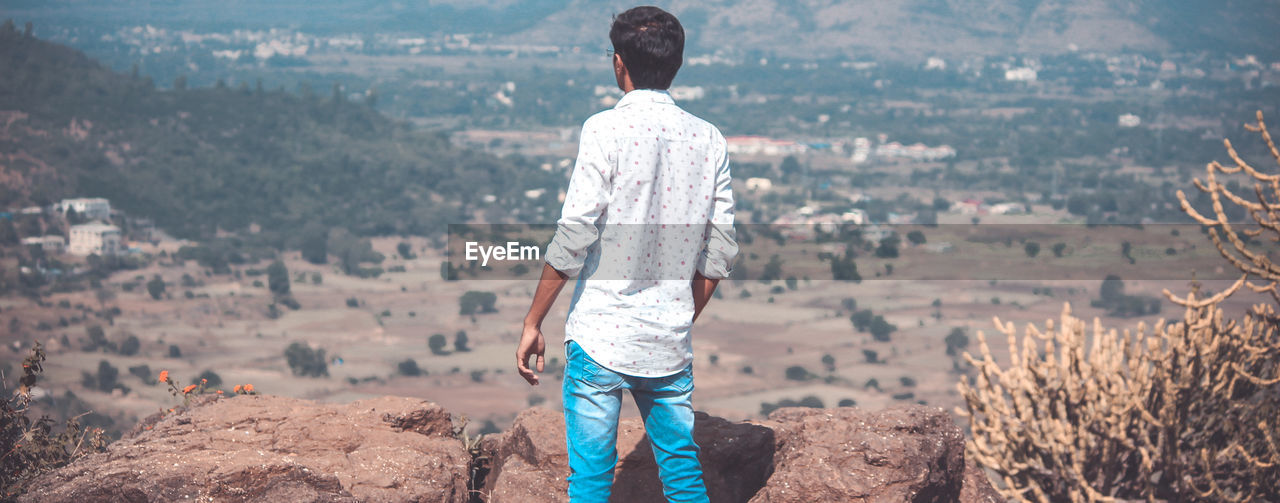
<point>512,250</point>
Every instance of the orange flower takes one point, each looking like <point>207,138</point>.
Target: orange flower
<point>236,389</point>
<point>248,388</point>
<point>164,376</point>
<point>188,388</point>
<point>219,392</point>
<point>204,380</point>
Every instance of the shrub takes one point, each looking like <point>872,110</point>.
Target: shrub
<point>305,361</point>
<point>175,351</point>
<point>210,379</point>
<point>474,302</point>
<point>798,373</point>
<point>437,343</point>
<point>130,346</point>
<point>409,367</point>
<point>30,446</point>
<point>871,356</point>
<point>353,302</point>
<point>460,342</point>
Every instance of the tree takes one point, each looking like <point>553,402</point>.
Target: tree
<point>772,269</point>
<point>460,342</point>
<point>305,361</point>
<point>1032,248</point>
<point>437,344</point>
<point>880,329</point>
<point>957,341</point>
<point>861,319</point>
<point>315,243</point>
<point>790,167</point>
<point>278,278</point>
<point>155,287</point>
<point>409,367</point>
<point>829,362</point>
<point>798,373</point>
<point>473,302</point>
<point>916,237</point>
<point>1058,249</point>
<point>130,346</point>
<point>405,250</point>
<point>1112,289</point>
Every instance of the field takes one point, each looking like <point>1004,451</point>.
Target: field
<point>744,343</point>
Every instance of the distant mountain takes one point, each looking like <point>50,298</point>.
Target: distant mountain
<point>200,160</point>
<point>794,28</point>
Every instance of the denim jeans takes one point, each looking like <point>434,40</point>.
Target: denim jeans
<point>592,402</point>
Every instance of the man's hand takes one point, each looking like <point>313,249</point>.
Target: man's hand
<point>531,341</point>
<point>531,344</point>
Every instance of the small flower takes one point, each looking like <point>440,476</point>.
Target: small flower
<point>164,376</point>
<point>248,388</point>
<point>219,392</point>
<point>236,389</point>
<point>204,381</point>
<point>188,388</point>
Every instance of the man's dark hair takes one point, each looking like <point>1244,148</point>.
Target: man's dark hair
<point>650,42</point>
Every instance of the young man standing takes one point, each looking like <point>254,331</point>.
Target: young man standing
<point>647,230</point>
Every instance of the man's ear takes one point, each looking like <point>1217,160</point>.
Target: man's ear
<point>620,72</point>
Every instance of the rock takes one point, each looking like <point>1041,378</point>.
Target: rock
<point>798,455</point>
<point>846,454</point>
<point>271,448</point>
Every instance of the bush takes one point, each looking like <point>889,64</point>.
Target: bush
<point>956,341</point>
<point>437,343</point>
<point>130,345</point>
<point>798,373</point>
<point>474,302</point>
<point>175,351</point>
<point>212,379</point>
<point>880,329</point>
<point>460,342</point>
<point>353,302</point>
<point>847,402</point>
<point>155,287</point>
<point>306,362</point>
<point>871,356</point>
<point>30,446</point>
<point>808,401</point>
<point>409,367</point>
<point>907,382</point>
<point>142,372</point>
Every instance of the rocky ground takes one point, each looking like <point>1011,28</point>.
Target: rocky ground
<point>272,448</point>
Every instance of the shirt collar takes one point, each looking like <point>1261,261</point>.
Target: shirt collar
<point>660,96</point>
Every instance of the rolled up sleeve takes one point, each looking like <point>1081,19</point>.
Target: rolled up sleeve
<point>721,247</point>
<point>586,199</point>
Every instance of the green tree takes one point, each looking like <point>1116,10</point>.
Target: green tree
<point>437,343</point>
<point>798,373</point>
<point>155,287</point>
<point>916,238</point>
<point>956,341</point>
<point>1032,248</point>
<point>409,367</point>
<point>861,319</point>
<point>315,243</point>
<point>405,250</point>
<point>829,362</point>
<point>474,301</point>
<point>460,342</point>
<point>1112,289</point>
<point>880,329</point>
<point>130,346</point>
<point>278,278</point>
<point>1058,249</point>
<point>305,361</point>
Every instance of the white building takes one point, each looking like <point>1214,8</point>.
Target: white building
<point>1020,74</point>
<point>95,238</point>
<point>93,208</point>
<point>1129,120</point>
<point>52,245</point>
<point>760,145</point>
<point>760,184</point>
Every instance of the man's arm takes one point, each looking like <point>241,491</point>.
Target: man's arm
<point>531,340</point>
<point>703,289</point>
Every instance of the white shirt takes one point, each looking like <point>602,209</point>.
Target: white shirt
<point>649,202</point>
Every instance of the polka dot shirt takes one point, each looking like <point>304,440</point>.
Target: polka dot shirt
<point>649,203</point>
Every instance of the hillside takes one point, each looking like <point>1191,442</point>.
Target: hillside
<point>803,28</point>
<point>199,160</point>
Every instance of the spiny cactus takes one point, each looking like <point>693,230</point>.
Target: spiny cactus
<point>1186,410</point>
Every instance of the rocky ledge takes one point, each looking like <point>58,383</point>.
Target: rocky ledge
<point>270,448</point>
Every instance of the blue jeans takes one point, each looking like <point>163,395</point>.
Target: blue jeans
<point>592,402</point>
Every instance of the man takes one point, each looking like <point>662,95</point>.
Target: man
<point>647,230</point>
